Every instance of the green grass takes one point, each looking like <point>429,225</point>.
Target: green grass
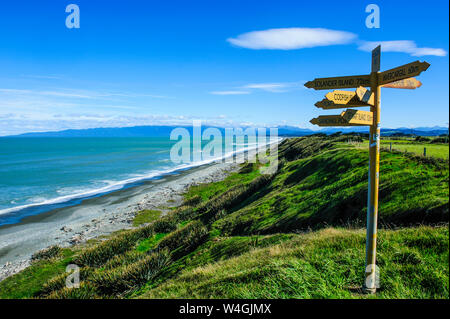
<point>209,190</point>
<point>325,264</point>
<point>296,234</point>
<point>146,216</point>
<point>29,281</point>
<point>149,243</point>
<point>433,150</point>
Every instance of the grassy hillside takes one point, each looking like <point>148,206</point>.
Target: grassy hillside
<point>295,234</point>
<point>323,264</point>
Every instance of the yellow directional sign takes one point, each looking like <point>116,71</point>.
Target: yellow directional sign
<point>329,120</point>
<point>410,83</point>
<point>341,82</point>
<point>346,118</point>
<point>342,97</point>
<point>329,105</point>
<point>364,95</point>
<point>361,97</point>
<point>402,72</point>
<point>358,117</point>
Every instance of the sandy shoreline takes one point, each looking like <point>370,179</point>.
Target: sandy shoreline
<point>97,216</point>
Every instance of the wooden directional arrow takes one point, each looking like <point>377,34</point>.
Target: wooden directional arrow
<point>410,83</point>
<point>364,95</point>
<point>329,120</point>
<point>402,72</point>
<point>361,97</point>
<point>342,97</point>
<point>346,118</point>
<point>329,105</point>
<point>358,117</point>
<point>339,82</point>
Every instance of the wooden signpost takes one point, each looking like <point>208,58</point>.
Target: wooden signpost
<point>342,82</point>
<point>346,118</point>
<point>410,84</point>
<point>399,78</point>
<point>402,72</point>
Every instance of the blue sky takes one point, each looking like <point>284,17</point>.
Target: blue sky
<point>168,62</point>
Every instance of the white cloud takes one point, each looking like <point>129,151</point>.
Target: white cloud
<point>279,87</point>
<point>229,92</point>
<point>291,38</point>
<point>299,38</point>
<point>78,94</point>
<point>405,46</point>
<point>271,87</point>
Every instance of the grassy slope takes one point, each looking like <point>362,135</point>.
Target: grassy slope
<point>330,187</point>
<point>323,183</point>
<point>323,264</point>
<point>253,247</point>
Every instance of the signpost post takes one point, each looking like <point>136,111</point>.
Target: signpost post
<point>400,78</point>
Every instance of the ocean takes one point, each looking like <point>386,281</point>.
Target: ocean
<point>41,174</point>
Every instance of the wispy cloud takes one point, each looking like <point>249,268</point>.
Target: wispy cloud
<point>405,46</point>
<point>271,87</point>
<point>45,77</point>
<point>279,87</point>
<point>230,92</point>
<point>291,38</point>
<point>78,94</point>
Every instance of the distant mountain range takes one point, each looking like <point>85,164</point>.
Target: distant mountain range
<point>163,131</point>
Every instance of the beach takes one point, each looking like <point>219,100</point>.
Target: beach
<point>98,216</point>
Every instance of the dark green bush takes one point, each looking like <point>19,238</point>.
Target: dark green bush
<point>231,198</point>
<point>184,240</point>
<point>130,277</point>
<point>193,201</point>
<point>441,139</point>
<point>127,258</point>
<point>59,282</point>
<point>165,225</point>
<point>101,253</point>
<point>47,253</point>
<point>85,291</point>
<point>422,139</point>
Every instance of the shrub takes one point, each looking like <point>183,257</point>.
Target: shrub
<point>422,139</point>
<point>193,201</point>
<point>440,139</point>
<point>184,240</point>
<point>85,291</point>
<point>165,225</point>
<point>232,197</point>
<point>47,253</point>
<point>127,258</point>
<point>130,277</point>
<point>98,255</point>
<point>247,168</point>
<point>59,282</point>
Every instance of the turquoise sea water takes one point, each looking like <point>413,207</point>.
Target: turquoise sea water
<point>39,174</point>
